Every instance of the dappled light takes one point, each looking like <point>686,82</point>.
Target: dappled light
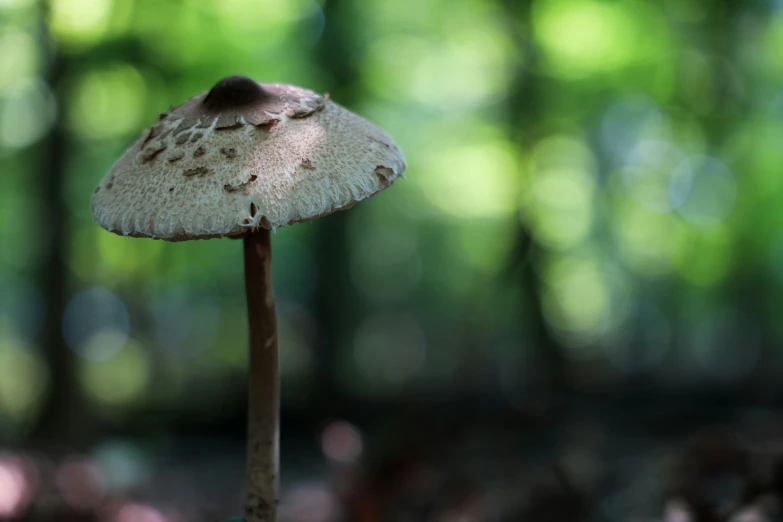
<point>467,69</point>
<point>586,298</point>
<point>23,381</point>
<point>19,56</point>
<point>567,308</point>
<point>80,23</point>
<point>703,190</point>
<point>652,175</point>
<point>107,102</point>
<point>27,110</point>
<point>646,241</point>
<point>627,122</point>
<point>587,37</point>
<point>560,196</point>
<point>450,175</point>
<point>119,379</point>
<point>96,324</point>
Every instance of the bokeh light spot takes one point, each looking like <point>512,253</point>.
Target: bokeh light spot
<point>341,442</point>
<point>703,190</point>
<point>107,102</point>
<point>14,488</point>
<point>467,67</point>
<point>560,198</point>
<point>79,22</point>
<point>15,4</point>
<point>309,503</point>
<point>96,324</point>
<point>27,112</point>
<point>23,381</point>
<point>585,299</point>
<point>648,174</point>
<point>580,296</point>
<point>472,181</point>
<point>118,258</point>
<point>119,381</point>
<point>649,243</point>
<point>124,465</point>
<point>563,211</point>
<point>81,484</point>
<point>19,57</point>
<point>583,37</point>
<point>272,12</point>
<point>132,512</point>
<point>629,121</point>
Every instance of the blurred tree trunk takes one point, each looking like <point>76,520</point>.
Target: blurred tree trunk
<point>335,298</point>
<point>748,289</point>
<point>548,353</point>
<point>525,127</point>
<point>58,424</point>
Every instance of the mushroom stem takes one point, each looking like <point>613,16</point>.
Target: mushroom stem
<point>263,406</point>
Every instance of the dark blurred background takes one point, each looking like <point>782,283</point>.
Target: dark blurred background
<point>569,310</point>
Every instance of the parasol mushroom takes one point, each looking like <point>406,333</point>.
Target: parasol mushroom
<point>240,161</point>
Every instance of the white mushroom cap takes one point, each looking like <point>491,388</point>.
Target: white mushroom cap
<point>242,156</point>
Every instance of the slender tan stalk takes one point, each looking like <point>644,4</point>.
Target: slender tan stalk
<point>263,407</point>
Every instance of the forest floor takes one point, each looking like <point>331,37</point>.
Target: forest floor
<point>629,460</point>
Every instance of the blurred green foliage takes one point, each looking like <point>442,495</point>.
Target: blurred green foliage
<point>635,145</point>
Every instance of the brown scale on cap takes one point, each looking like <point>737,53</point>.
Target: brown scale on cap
<point>229,152</point>
<point>385,175</point>
<point>241,187</point>
<point>307,164</point>
<point>152,153</point>
<point>381,142</point>
<point>198,171</point>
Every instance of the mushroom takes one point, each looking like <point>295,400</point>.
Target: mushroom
<point>240,161</point>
